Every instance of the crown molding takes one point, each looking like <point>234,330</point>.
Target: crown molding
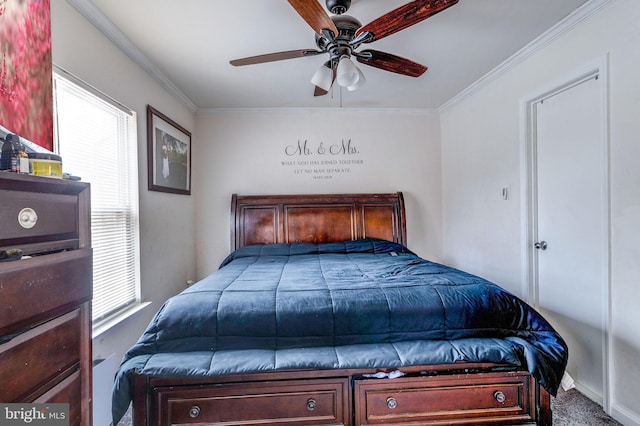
<point>205,112</point>
<point>578,16</point>
<point>87,9</point>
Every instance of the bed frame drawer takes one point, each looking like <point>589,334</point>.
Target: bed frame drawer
<point>468,399</point>
<point>315,402</point>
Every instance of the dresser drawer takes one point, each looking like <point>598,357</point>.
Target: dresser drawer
<point>40,357</point>
<point>44,217</point>
<point>312,402</point>
<point>467,399</point>
<point>31,289</point>
<point>69,391</point>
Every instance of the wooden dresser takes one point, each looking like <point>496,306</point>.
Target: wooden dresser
<point>45,297</point>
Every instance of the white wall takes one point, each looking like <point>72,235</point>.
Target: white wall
<point>481,153</point>
<point>243,151</point>
<point>166,220</point>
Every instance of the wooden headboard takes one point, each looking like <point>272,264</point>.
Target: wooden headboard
<point>265,219</point>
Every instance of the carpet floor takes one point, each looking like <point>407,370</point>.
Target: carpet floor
<point>569,408</point>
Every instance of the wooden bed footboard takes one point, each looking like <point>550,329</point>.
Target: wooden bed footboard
<point>424,395</point>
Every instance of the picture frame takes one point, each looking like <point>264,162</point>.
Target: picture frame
<point>168,153</point>
<point>26,86</point>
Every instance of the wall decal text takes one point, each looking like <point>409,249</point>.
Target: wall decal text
<point>323,160</point>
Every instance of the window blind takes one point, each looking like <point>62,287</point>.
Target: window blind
<point>96,138</point>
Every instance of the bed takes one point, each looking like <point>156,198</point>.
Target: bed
<point>322,315</point>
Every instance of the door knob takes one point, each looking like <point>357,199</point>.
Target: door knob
<point>542,245</point>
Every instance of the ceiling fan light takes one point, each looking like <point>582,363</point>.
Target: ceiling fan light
<point>323,78</point>
<point>347,73</point>
<point>361,81</point>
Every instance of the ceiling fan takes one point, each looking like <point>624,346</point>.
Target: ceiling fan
<point>341,35</point>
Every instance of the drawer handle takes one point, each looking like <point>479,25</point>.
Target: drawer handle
<point>27,218</point>
<point>194,412</point>
<point>499,396</point>
<point>392,403</point>
<point>311,404</point>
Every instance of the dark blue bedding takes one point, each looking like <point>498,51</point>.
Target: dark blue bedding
<point>356,304</point>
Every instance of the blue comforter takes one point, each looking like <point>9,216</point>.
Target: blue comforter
<point>356,304</point>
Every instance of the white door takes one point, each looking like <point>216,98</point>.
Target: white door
<point>571,226</point>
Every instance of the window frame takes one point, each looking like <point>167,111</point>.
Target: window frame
<point>135,304</point>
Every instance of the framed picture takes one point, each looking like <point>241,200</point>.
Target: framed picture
<point>26,97</point>
<point>169,154</point>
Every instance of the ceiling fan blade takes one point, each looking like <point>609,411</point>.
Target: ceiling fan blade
<point>404,17</point>
<point>392,63</point>
<point>312,12</point>
<point>318,91</point>
<point>278,56</point>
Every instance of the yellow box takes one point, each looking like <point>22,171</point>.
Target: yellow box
<point>48,165</point>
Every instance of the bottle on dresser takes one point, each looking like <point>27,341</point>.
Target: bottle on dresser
<point>14,157</point>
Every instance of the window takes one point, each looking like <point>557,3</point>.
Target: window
<point>96,137</point>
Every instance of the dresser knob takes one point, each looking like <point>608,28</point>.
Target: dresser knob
<point>392,403</point>
<point>194,412</point>
<point>27,218</point>
<point>311,404</point>
<point>499,396</point>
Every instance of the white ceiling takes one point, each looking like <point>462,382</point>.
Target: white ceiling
<point>188,44</point>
